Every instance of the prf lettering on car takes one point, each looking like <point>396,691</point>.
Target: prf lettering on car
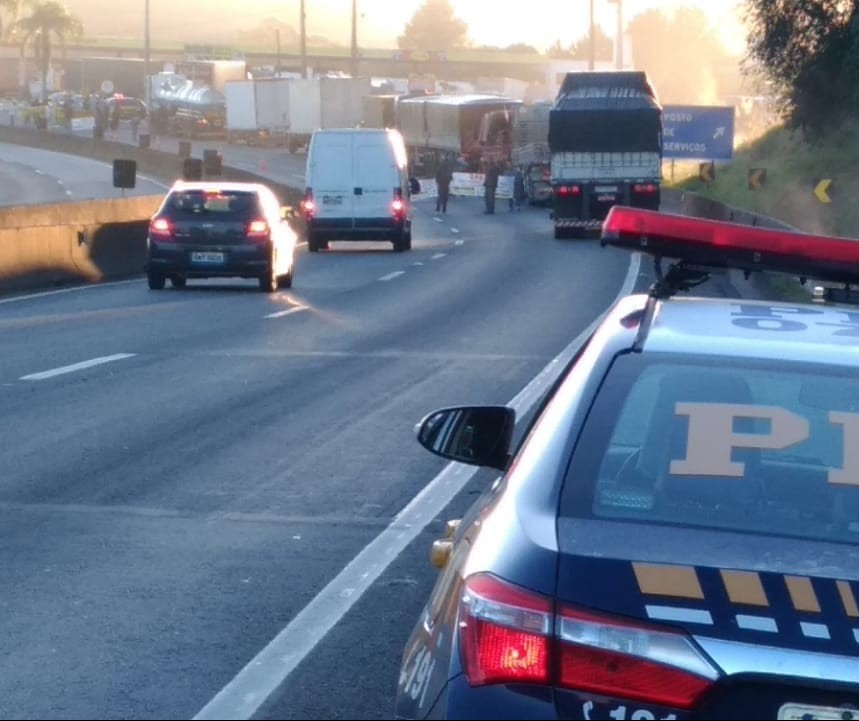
<point>779,318</point>
<point>711,438</point>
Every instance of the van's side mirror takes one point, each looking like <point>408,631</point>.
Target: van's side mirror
<point>414,186</point>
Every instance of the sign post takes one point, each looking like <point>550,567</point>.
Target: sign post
<point>697,132</point>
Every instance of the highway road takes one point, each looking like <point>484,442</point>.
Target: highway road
<point>31,176</point>
<point>212,502</point>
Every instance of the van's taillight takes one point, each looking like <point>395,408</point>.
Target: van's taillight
<point>258,230</point>
<point>398,207</point>
<point>569,190</point>
<point>161,229</point>
<point>308,207</point>
<point>510,635</point>
<point>645,188</point>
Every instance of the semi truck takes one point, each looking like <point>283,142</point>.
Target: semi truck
<point>605,139</point>
<point>531,153</point>
<point>473,128</point>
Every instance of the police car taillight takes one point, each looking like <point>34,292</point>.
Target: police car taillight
<point>511,635</point>
<point>505,633</point>
<point>614,657</point>
<point>721,244</point>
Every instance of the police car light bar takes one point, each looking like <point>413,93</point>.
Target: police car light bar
<point>718,244</point>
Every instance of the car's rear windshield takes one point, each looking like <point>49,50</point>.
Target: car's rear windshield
<point>722,444</point>
<point>226,203</point>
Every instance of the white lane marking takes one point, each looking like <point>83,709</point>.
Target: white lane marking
<point>417,262</point>
<point>265,672</point>
<point>75,289</point>
<point>288,311</point>
<point>76,366</point>
<point>437,219</point>
<point>40,172</point>
<point>391,276</point>
<point>454,230</point>
<point>438,255</point>
<point>459,242</point>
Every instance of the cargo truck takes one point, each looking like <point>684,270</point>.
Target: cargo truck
<point>323,103</point>
<point>605,139</point>
<point>472,128</point>
<point>257,110</point>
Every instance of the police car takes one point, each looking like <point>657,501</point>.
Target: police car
<point>677,534</point>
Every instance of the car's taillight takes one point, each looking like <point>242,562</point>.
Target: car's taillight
<point>631,660</point>
<point>161,229</point>
<point>258,230</point>
<point>645,188</point>
<point>569,190</point>
<point>505,633</point>
<point>511,635</point>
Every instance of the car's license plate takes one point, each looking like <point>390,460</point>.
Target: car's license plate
<point>605,189</point>
<point>207,257</point>
<point>807,711</point>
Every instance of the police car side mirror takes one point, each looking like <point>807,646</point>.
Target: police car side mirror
<point>476,435</point>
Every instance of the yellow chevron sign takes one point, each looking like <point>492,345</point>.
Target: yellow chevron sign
<point>757,178</point>
<point>823,189</point>
<point>707,172</point>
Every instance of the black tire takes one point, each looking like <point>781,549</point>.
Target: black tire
<point>403,243</point>
<point>155,280</point>
<point>285,281</point>
<point>268,281</point>
<point>178,281</point>
<point>312,243</point>
<point>559,232</point>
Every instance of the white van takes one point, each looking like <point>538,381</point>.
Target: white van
<point>357,188</point>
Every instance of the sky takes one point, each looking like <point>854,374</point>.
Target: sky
<point>491,22</point>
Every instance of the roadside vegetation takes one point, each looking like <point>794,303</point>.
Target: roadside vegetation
<point>795,165</point>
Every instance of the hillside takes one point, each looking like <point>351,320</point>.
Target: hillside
<point>794,167</point>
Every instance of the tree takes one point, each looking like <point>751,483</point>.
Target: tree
<point>434,27</point>
<point>681,54</point>
<point>603,46</point>
<point>809,52</point>
<point>523,48</point>
<point>10,6</point>
<point>48,19</point>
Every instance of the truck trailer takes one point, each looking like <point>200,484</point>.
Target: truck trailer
<point>473,128</point>
<point>605,139</point>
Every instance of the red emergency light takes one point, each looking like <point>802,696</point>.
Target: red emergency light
<point>720,244</point>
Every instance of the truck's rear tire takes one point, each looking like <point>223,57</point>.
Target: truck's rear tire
<point>559,232</point>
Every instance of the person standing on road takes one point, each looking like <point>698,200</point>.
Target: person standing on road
<point>490,185</point>
<point>443,177</point>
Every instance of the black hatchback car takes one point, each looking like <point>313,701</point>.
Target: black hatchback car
<point>221,229</point>
<point>677,535</point>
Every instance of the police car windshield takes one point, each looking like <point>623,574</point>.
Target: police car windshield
<point>722,443</point>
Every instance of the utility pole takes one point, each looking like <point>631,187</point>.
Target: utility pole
<point>147,83</point>
<point>277,61</point>
<point>355,38</point>
<point>303,32</point>
<point>618,36</point>
<point>593,52</point>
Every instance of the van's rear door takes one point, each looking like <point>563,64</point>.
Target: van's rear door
<point>376,175</point>
<point>331,174</point>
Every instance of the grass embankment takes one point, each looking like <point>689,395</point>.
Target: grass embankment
<point>794,166</point>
